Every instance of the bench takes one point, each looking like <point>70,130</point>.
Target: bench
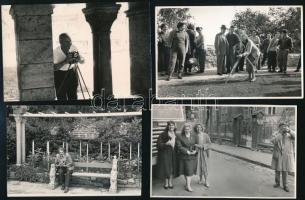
<point>112,175</point>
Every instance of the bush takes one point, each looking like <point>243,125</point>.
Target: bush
<point>28,173</point>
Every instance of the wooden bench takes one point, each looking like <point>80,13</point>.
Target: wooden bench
<point>112,175</point>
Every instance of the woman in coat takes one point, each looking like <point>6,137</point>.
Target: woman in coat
<point>203,144</point>
<point>283,154</point>
<point>187,155</point>
<point>166,154</point>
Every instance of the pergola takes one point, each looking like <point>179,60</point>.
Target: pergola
<point>20,114</point>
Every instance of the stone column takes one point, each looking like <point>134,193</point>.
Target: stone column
<point>33,30</point>
<point>20,134</point>
<point>101,16</point>
<point>23,140</point>
<point>19,131</point>
<point>139,41</point>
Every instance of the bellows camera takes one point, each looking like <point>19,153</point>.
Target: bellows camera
<point>74,55</point>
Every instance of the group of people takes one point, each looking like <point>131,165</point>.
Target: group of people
<point>178,47</point>
<point>188,153</point>
<point>184,154</point>
<point>233,50</point>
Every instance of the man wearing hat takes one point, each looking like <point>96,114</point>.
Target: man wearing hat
<point>221,49</point>
<point>285,45</point>
<point>283,154</point>
<point>233,41</point>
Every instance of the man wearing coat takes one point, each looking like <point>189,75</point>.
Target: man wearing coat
<point>283,154</point>
<point>221,49</point>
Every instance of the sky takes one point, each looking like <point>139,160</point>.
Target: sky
<point>69,18</point>
<point>212,17</point>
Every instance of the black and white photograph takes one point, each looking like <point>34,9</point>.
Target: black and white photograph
<point>228,52</point>
<point>73,151</point>
<point>75,51</point>
<point>223,151</point>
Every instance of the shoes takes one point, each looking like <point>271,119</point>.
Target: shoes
<point>286,189</point>
<point>252,80</point>
<point>188,189</point>
<point>171,187</point>
<point>165,187</point>
<point>207,184</point>
<point>280,71</point>
<point>62,187</point>
<point>276,185</point>
<point>168,78</point>
<point>179,76</point>
<point>297,70</point>
<point>66,190</point>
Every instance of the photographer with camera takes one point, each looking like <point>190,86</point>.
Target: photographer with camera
<point>64,166</point>
<point>66,58</point>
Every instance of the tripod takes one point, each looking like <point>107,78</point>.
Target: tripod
<point>82,81</point>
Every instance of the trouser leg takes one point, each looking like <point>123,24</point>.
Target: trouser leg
<point>72,84</point>
<point>299,64</point>
<point>61,176</point>
<point>67,178</point>
<point>277,177</point>
<point>172,64</point>
<point>285,59</point>
<point>280,59</point>
<point>284,178</point>
<point>60,85</point>
<point>181,57</point>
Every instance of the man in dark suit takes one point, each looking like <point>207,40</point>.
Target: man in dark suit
<point>233,41</point>
<point>285,45</point>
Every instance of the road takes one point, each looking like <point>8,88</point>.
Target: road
<point>211,85</point>
<point>229,177</point>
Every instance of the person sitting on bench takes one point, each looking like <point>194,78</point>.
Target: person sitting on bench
<point>64,166</point>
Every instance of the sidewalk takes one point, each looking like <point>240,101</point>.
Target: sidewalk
<point>255,157</point>
<point>22,188</point>
<point>211,75</point>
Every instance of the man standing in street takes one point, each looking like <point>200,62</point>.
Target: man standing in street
<point>64,164</point>
<point>265,45</point>
<point>233,41</point>
<point>285,45</point>
<point>163,49</point>
<point>283,154</point>
<point>200,49</point>
<point>272,52</point>
<point>257,41</point>
<point>192,45</point>
<point>221,49</point>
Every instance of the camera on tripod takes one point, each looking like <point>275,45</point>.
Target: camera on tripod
<point>74,57</point>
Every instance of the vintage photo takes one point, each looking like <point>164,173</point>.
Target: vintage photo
<point>223,151</point>
<point>75,51</point>
<point>73,151</point>
<point>228,52</point>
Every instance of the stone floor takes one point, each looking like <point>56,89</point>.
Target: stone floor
<point>21,188</point>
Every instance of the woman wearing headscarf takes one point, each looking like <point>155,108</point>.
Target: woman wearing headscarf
<point>187,155</point>
<point>203,143</point>
<point>166,154</point>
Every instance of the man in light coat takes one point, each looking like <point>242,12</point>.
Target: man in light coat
<point>221,49</point>
<point>283,154</point>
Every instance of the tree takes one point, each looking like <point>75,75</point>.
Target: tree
<point>171,16</point>
<point>276,19</point>
<point>252,20</point>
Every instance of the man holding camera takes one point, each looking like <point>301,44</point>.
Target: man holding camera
<point>64,166</point>
<point>283,154</point>
<point>66,58</point>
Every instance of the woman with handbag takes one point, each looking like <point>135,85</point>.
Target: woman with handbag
<point>187,155</point>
